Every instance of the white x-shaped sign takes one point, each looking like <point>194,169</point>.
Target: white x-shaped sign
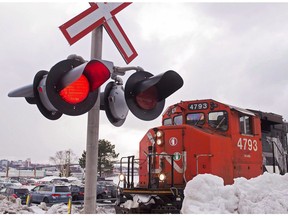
<point>100,14</point>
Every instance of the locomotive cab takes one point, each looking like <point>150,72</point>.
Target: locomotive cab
<point>198,137</point>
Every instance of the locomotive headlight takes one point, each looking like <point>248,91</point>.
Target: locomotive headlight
<point>121,177</point>
<point>159,137</point>
<point>162,177</point>
<point>159,134</point>
<point>159,141</point>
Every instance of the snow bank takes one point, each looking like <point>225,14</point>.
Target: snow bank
<point>13,206</point>
<point>206,193</point>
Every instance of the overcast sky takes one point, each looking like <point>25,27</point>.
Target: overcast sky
<point>236,53</point>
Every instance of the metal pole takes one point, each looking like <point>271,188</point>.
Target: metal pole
<point>93,135</point>
<point>132,172</point>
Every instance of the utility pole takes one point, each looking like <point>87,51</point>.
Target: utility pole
<point>93,134</point>
<point>67,163</point>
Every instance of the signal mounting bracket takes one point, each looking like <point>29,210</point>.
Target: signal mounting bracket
<point>120,71</point>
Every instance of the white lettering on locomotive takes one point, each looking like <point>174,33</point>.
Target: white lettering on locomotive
<point>247,144</point>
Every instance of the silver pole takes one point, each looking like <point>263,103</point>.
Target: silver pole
<point>93,135</point>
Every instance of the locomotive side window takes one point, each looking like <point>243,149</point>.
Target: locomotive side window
<point>245,124</point>
<point>195,119</point>
<point>167,121</point>
<point>218,120</point>
<point>178,120</point>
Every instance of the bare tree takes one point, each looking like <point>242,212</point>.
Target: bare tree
<point>63,160</point>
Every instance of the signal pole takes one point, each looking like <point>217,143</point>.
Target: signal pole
<point>93,134</point>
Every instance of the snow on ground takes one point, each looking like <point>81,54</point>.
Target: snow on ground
<point>204,194</point>
<point>264,194</point>
<point>13,206</point>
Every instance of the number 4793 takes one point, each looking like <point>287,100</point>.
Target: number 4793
<point>247,144</point>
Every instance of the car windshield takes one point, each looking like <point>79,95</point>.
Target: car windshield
<point>62,189</point>
<point>21,191</point>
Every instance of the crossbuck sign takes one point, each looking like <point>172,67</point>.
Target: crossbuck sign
<point>100,14</point>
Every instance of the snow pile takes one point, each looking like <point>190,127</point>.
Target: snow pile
<point>13,206</point>
<point>267,193</point>
<point>206,193</point>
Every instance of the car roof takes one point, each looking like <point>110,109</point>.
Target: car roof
<point>17,187</point>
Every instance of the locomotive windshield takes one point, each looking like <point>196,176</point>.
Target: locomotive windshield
<point>167,122</point>
<point>178,120</point>
<point>218,120</point>
<point>195,119</point>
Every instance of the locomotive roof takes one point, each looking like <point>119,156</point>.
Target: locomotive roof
<point>268,116</point>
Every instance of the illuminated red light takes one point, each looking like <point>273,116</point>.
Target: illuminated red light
<point>147,99</point>
<point>77,91</point>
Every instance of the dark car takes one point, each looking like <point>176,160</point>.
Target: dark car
<point>77,192</point>
<point>59,181</point>
<point>17,192</point>
<point>50,194</point>
<point>106,190</point>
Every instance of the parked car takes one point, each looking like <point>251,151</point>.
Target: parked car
<point>106,190</point>
<point>49,193</point>
<point>59,181</point>
<point>16,192</point>
<point>15,182</point>
<point>77,192</point>
<point>27,181</point>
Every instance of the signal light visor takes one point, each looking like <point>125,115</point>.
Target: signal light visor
<point>97,74</point>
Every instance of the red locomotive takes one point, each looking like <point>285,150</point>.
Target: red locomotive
<point>197,137</point>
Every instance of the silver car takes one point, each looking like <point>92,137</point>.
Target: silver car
<point>50,194</point>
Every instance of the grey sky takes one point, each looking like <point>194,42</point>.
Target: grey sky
<point>235,53</point>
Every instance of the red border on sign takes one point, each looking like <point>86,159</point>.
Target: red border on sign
<point>72,40</point>
<point>116,10</point>
<point>127,59</point>
<point>119,8</point>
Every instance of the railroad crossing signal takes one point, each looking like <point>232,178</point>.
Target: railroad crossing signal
<point>144,95</point>
<point>70,87</point>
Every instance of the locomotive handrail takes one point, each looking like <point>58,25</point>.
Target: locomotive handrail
<point>149,167</point>
<point>129,184</point>
<point>201,155</point>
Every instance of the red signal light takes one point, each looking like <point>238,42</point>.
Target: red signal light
<point>77,91</point>
<point>71,87</point>
<point>147,99</point>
